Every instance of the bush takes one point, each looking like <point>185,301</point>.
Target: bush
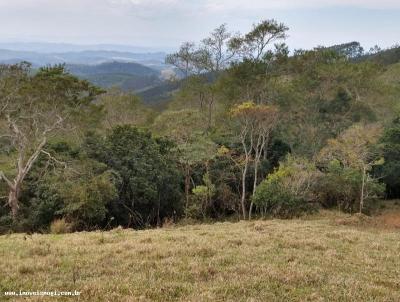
<point>86,203</point>
<point>274,199</point>
<point>287,192</point>
<point>149,182</point>
<point>340,187</point>
<point>201,199</point>
<point>60,226</point>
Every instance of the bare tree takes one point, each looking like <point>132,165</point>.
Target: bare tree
<point>218,49</point>
<point>266,118</point>
<point>212,55</point>
<point>256,123</point>
<point>33,109</point>
<point>185,59</point>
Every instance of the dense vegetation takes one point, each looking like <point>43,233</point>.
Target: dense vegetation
<point>252,130</point>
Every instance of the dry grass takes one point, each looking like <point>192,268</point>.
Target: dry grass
<point>299,260</point>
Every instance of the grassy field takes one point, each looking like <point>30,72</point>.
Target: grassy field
<point>319,259</point>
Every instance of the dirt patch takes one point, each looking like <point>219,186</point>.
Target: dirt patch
<point>355,220</point>
<point>389,220</point>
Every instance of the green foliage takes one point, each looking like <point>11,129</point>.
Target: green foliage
<point>287,192</point>
<point>95,169</point>
<point>340,187</point>
<point>85,203</point>
<point>390,170</point>
<point>149,183</point>
<point>120,109</point>
<point>201,199</point>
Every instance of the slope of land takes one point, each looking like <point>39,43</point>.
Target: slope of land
<point>321,259</point>
<point>127,76</point>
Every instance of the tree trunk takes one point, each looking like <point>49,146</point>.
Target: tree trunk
<point>262,144</point>
<point>187,187</point>
<point>13,201</point>
<point>254,188</point>
<point>210,108</point>
<point>243,197</point>
<point>362,190</point>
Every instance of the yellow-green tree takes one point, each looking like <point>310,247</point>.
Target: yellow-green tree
<point>356,148</point>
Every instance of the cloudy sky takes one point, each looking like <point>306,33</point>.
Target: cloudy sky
<point>164,24</point>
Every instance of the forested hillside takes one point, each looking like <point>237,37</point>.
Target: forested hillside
<point>253,129</point>
<point>127,76</point>
<point>131,72</point>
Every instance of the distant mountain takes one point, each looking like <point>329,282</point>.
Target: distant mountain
<point>87,57</point>
<point>142,73</point>
<point>131,77</point>
<point>113,68</point>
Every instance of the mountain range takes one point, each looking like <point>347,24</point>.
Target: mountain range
<point>132,69</point>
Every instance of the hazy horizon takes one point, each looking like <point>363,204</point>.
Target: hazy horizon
<point>158,24</point>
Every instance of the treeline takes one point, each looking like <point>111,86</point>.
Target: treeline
<point>253,131</point>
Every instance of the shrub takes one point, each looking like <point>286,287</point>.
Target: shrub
<point>60,226</point>
<point>287,192</point>
<point>201,199</point>
<point>340,186</point>
<point>149,183</point>
<point>86,203</point>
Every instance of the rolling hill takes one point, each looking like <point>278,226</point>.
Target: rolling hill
<point>127,76</point>
<point>132,72</point>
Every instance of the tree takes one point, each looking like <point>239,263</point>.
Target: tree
<point>149,182</point>
<point>86,201</point>
<point>185,59</point>
<point>340,185</point>
<point>198,92</point>
<point>356,148</point>
<point>390,170</point>
<point>256,123</point>
<point>123,109</point>
<point>255,43</point>
<point>218,49</point>
<point>32,110</point>
<point>213,55</point>
<point>352,50</point>
<point>185,128</point>
<point>203,195</point>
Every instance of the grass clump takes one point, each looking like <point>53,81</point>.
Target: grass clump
<point>60,226</point>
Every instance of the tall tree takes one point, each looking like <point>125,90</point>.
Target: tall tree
<point>356,148</point>
<point>33,109</point>
<point>218,49</point>
<point>256,123</point>
<point>185,59</point>
<point>186,129</point>
<point>254,44</point>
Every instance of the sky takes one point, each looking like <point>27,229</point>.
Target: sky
<point>165,24</point>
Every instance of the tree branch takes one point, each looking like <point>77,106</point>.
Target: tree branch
<point>54,159</point>
<point>3,176</point>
